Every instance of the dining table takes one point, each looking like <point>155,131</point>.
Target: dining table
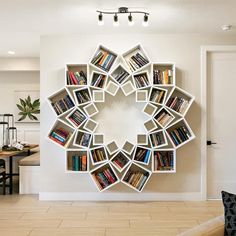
<point>8,154</point>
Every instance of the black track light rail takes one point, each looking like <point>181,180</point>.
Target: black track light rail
<point>122,10</point>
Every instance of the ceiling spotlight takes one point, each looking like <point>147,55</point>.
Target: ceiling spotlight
<point>130,20</point>
<point>116,22</point>
<point>11,52</point>
<point>100,19</point>
<point>226,27</point>
<point>120,11</point>
<point>145,20</point>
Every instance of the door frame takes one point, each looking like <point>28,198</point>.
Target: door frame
<point>205,50</point>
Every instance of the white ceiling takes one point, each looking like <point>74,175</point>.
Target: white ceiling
<point>23,21</point>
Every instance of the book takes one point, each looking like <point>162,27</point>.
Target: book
<point>157,138</point>
<point>136,61</point>
<point>120,161</point>
<point>177,103</point>
<point>141,80</point>
<point>137,179</point>
<point>76,78</point>
<point>163,77</point>
<point>179,134</point>
<point>83,96</point>
<point>60,136</point>
<point>104,59</point>
<point>163,117</point>
<point>98,80</point>
<point>157,95</point>
<point>104,177</point>
<point>163,160</point>
<point>63,104</point>
<point>98,154</point>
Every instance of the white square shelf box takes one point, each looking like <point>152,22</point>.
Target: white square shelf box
<point>132,64</point>
<point>100,169</point>
<point>112,147</point>
<point>98,96</point>
<point>142,95</point>
<point>76,75</point>
<point>90,109</point>
<point>112,88</point>
<point>69,160</point>
<point>150,109</point>
<point>120,74</point>
<point>90,125</point>
<point>163,74</point>
<point>161,159</point>
<point>136,168</point>
<point>98,155</point>
<point>127,88</point>
<point>120,161</point>
<point>98,139</point>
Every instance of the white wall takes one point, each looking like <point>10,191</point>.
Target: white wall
<point>19,74</point>
<point>184,50</point>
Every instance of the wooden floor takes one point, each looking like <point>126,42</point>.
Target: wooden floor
<point>25,215</point>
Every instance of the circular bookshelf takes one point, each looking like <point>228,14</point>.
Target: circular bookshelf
<point>166,105</point>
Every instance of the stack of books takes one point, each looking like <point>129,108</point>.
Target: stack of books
<point>61,136</point>
<point>104,178</point>
<point>136,179</point>
<point>141,80</point>
<point>104,60</point>
<point>179,135</point>
<point>157,139</point>
<point>163,160</point>
<point>163,77</point>
<point>98,80</point>
<point>120,161</point>
<point>178,104</point>
<point>76,78</point>
<point>142,155</point>
<point>121,77</point>
<point>157,96</point>
<point>83,139</point>
<point>163,118</point>
<point>77,118</point>
<point>136,61</point>
<point>98,155</point>
<point>79,163</point>
<point>82,96</point>
<point>62,105</point>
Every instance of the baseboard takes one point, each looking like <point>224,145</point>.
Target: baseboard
<point>77,196</point>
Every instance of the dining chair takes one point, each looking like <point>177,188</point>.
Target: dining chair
<point>3,175</point>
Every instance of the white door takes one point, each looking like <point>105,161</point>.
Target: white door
<point>221,123</point>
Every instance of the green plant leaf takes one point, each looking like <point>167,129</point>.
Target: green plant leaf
<point>22,117</point>
<point>35,111</point>
<point>22,102</point>
<point>29,99</point>
<point>36,103</point>
<point>32,117</point>
<point>20,107</point>
<point>27,102</point>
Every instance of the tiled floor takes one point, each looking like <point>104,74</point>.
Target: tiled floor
<point>26,216</point>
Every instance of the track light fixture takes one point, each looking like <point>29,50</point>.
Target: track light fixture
<point>130,20</point>
<point>100,19</point>
<point>122,10</point>
<point>145,20</point>
<point>116,22</point>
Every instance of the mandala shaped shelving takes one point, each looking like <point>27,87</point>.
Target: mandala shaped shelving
<point>75,129</point>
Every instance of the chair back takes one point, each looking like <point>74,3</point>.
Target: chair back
<point>2,163</point>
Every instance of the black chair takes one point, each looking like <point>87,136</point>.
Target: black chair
<point>3,175</point>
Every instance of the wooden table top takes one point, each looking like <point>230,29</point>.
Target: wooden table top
<point>14,153</point>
